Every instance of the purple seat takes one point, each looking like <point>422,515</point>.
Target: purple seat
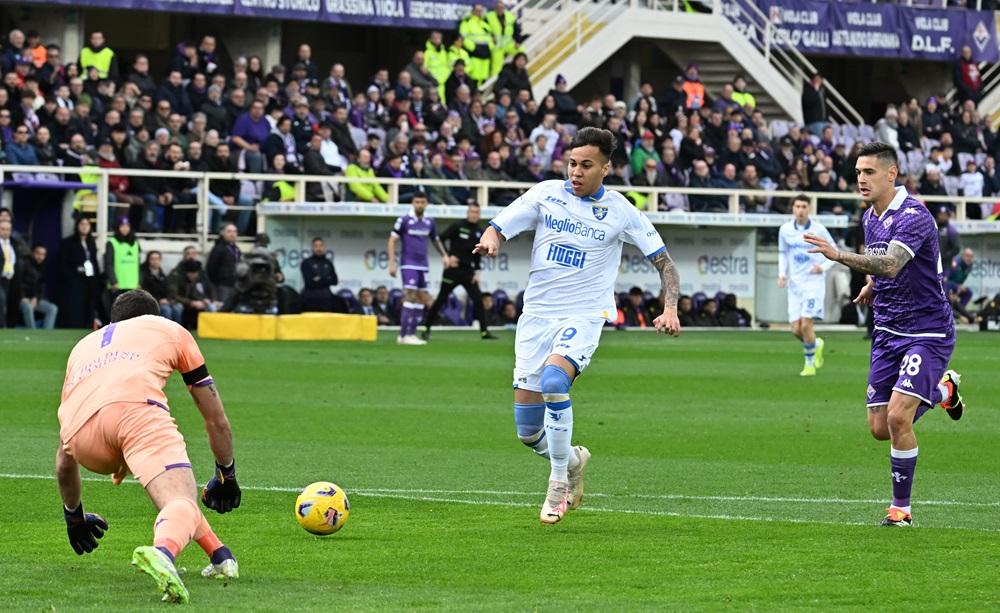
<point>452,311</point>
<point>353,306</point>
<point>698,300</point>
<point>499,299</point>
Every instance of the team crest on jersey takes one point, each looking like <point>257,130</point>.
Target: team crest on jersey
<point>887,222</point>
<point>600,212</point>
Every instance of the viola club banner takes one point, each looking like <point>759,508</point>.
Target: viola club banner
<point>873,30</point>
<point>709,260</point>
<point>403,13</point>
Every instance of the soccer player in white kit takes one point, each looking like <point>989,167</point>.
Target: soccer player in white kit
<point>804,274</point>
<point>579,231</point>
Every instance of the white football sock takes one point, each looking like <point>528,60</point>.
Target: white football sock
<point>559,432</point>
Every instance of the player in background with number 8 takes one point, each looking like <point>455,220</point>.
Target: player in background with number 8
<point>579,231</point>
<point>914,325</point>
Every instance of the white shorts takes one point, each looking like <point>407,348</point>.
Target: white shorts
<point>806,301</point>
<point>537,338</point>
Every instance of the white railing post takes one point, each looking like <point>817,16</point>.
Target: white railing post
<point>102,209</point>
<point>734,204</point>
<point>961,210</point>
<point>813,205</point>
<point>767,40</point>
<point>483,195</point>
<point>300,191</point>
<point>206,214</point>
<point>394,193</point>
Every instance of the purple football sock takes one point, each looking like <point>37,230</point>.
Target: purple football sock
<point>903,463</point>
<point>222,554</point>
<point>404,320</point>
<point>169,555</point>
<point>939,395</point>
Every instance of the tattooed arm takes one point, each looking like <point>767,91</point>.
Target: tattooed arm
<point>887,265</point>
<point>220,434</point>
<point>669,293</point>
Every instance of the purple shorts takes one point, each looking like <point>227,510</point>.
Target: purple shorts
<point>414,279</point>
<point>908,365</point>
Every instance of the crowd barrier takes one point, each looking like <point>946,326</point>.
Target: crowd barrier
<point>714,251</point>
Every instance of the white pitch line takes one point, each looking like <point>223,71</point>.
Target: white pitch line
<point>694,497</point>
<point>405,494</point>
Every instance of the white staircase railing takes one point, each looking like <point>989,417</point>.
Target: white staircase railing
<point>560,27</point>
<point>990,77</point>
<point>747,18</point>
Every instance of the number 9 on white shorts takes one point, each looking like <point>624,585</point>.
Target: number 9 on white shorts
<point>537,338</point>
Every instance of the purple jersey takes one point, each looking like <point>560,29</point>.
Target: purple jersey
<point>413,232</point>
<point>914,302</point>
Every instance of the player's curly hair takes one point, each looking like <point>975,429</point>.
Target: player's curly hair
<point>883,152</point>
<point>134,303</point>
<point>603,139</point>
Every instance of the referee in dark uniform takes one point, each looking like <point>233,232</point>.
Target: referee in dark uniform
<point>460,238</point>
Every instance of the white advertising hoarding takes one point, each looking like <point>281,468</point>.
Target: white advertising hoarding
<point>708,259</point>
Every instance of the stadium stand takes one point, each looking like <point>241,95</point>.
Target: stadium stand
<point>426,118</point>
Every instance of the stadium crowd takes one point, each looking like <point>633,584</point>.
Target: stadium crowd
<point>431,120</point>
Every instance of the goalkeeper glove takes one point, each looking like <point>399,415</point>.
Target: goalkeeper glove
<point>222,493</point>
<point>84,529</point>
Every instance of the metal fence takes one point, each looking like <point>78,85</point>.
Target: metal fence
<point>23,176</point>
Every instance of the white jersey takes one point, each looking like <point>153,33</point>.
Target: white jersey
<point>577,248</point>
<point>794,260</point>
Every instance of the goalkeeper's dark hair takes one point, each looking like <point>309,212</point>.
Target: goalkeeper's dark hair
<point>603,139</point>
<point>883,152</point>
<point>134,303</point>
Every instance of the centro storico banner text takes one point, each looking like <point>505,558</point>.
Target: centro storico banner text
<point>401,13</point>
<point>869,29</point>
<point>709,259</point>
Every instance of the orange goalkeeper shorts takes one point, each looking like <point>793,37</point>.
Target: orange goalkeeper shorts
<point>123,437</point>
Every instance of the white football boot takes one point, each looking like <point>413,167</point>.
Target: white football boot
<point>224,571</point>
<point>576,477</point>
<point>555,502</point>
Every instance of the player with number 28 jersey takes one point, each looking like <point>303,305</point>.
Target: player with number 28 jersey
<point>914,330</point>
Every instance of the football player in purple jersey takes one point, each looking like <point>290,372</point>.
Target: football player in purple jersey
<point>914,326</point>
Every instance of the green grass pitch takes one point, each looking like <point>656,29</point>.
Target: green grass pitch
<point>720,481</point>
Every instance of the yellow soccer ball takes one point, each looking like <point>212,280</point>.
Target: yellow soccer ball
<point>322,508</point>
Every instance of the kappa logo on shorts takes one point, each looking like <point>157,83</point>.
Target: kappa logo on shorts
<point>907,384</point>
<point>871,392</point>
